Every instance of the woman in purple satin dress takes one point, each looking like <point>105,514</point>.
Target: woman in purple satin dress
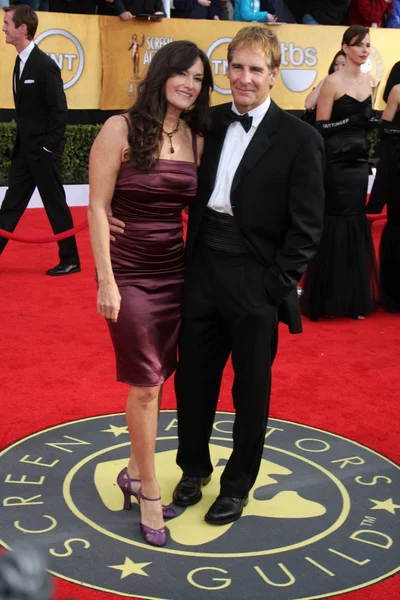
<point>143,165</point>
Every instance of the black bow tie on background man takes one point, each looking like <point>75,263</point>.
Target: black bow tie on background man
<point>245,120</point>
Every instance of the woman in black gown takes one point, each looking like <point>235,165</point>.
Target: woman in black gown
<point>386,190</point>
<point>342,281</point>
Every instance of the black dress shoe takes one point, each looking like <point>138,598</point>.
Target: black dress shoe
<point>188,490</point>
<point>64,270</point>
<point>226,510</point>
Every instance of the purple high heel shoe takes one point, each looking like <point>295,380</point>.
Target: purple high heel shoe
<point>124,483</point>
<point>154,537</point>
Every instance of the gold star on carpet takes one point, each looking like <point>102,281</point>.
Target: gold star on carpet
<point>117,431</point>
<point>131,568</point>
<point>385,505</point>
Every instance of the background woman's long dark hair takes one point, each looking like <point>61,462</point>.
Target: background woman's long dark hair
<point>147,114</point>
<point>332,66</point>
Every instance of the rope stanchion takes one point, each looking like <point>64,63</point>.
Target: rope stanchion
<point>45,239</point>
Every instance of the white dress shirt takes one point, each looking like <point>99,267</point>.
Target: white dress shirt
<point>235,144</point>
<point>24,55</point>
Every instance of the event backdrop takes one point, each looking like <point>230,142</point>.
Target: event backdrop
<point>104,58</point>
<point>73,41</point>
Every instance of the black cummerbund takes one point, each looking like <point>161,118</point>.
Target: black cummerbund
<point>220,232</point>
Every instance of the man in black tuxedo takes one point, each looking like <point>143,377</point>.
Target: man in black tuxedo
<point>255,224</point>
<point>41,115</point>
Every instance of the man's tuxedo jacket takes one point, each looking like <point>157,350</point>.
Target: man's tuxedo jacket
<point>277,199</point>
<point>41,106</point>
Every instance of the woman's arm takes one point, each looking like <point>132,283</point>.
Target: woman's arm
<point>104,164</point>
<point>246,14</point>
<point>312,99</point>
<point>325,100</point>
<point>392,105</point>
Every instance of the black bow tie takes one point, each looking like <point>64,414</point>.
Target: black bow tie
<point>245,120</point>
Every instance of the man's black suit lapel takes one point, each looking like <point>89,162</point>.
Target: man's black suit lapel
<point>260,144</point>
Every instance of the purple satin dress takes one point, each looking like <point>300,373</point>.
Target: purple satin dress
<point>147,262</point>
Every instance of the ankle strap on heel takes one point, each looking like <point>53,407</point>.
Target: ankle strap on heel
<point>141,495</point>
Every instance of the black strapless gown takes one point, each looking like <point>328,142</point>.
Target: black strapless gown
<point>147,261</point>
<point>386,190</point>
<point>342,279</point>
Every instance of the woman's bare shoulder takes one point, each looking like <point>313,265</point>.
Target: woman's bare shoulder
<point>117,125</point>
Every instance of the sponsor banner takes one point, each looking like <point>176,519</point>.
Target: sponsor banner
<point>73,43</point>
<point>127,48</point>
<point>307,52</point>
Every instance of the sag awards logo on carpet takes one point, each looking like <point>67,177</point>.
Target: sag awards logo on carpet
<point>323,516</point>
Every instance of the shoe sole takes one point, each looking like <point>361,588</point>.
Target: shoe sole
<point>192,503</point>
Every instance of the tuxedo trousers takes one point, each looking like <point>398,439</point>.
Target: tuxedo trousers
<point>44,172</point>
<point>225,312</point>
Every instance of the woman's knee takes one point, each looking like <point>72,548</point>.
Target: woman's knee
<point>144,396</point>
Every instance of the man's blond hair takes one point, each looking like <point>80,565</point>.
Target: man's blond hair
<point>257,38</point>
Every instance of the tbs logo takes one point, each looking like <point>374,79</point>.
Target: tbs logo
<point>296,73</point>
<point>298,79</point>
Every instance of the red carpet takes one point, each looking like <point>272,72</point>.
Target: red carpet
<point>57,365</point>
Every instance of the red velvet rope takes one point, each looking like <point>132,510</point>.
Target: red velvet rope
<point>45,239</point>
<point>373,218</point>
<point>65,234</point>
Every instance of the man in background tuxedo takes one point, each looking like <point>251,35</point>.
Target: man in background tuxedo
<point>41,116</point>
<point>255,224</point>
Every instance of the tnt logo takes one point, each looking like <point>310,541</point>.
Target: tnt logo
<point>217,54</point>
<point>66,50</point>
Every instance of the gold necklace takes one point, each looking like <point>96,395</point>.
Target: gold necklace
<point>170,134</point>
<point>355,82</point>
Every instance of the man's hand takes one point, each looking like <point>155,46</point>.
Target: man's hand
<point>125,16</point>
<point>116,226</point>
<point>205,3</point>
<point>272,18</point>
<point>162,15</point>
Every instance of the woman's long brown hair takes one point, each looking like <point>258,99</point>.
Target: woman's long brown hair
<point>147,115</point>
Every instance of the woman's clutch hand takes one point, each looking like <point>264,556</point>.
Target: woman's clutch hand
<point>108,300</point>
